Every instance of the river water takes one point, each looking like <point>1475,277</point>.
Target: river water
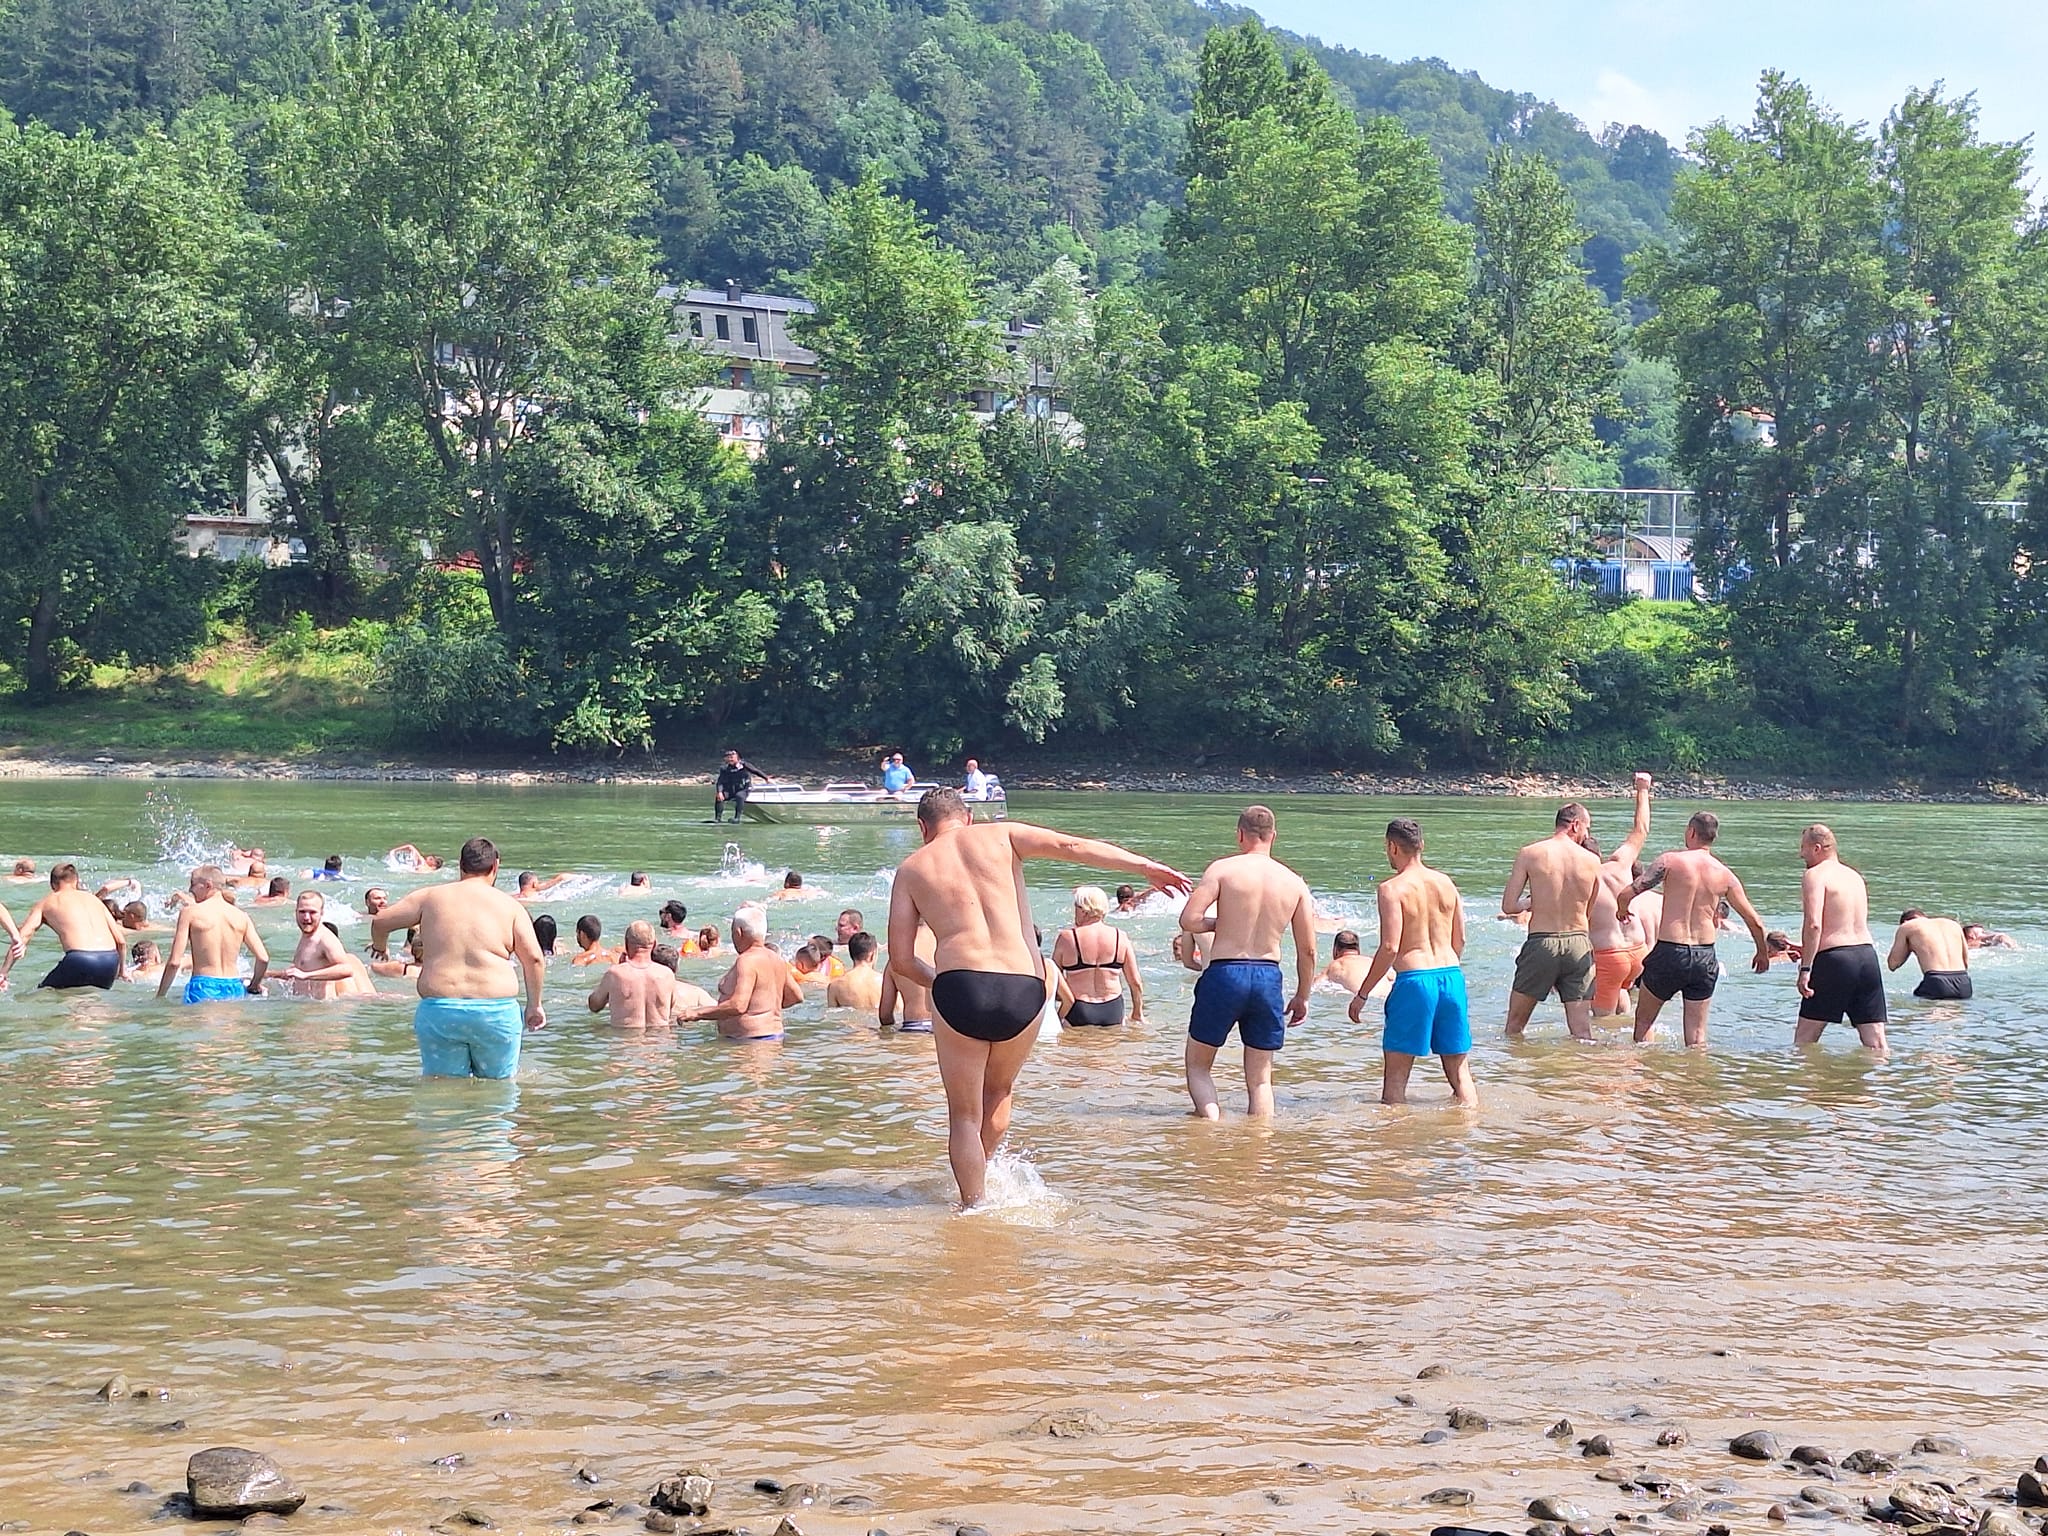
<point>646,1253</point>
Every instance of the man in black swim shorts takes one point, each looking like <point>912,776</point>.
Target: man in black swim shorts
<point>1838,972</point>
<point>1683,962</point>
<point>95,953</point>
<point>1943,952</point>
<point>987,981</point>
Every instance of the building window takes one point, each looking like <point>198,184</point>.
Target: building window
<point>747,329</point>
<point>739,378</point>
<point>724,329</point>
<point>696,323</point>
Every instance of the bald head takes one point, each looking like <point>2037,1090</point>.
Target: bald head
<point>639,937</point>
<point>1819,836</point>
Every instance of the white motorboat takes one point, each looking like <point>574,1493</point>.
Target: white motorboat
<point>851,803</point>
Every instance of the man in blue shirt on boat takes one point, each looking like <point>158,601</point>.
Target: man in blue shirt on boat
<point>895,777</point>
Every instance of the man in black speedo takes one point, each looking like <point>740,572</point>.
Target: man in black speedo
<point>987,980</point>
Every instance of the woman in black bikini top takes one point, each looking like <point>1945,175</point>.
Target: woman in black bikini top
<point>1107,975</point>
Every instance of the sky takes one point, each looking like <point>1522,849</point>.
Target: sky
<point>1674,65</point>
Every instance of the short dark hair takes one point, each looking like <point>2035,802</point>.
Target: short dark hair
<point>545,928</point>
<point>638,877</point>
<point>1777,941</point>
<point>1572,811</point>
<point>707,938</point>
<point>1344,942</point>
<point>134,915</point>
<point>589,928</point>
<point>63,874</point>
<point>1405,832</point>
<point>1256,822</point>
<point>674,912</point>
<point>279,886</point>
<point>479,856</point>
<point>808,953</point>
<point>527,877</point>
<point>333,863</point>
<point>1705,825</point>
<point>792,881</point>
<point>1910,913</point>
<point>822,943</point>
<point>936,807</point>
<point>664,954</point>
<point>861,947</point>
<point>1591,843</point>
<point>1126,892</point>
<point>854,913</point>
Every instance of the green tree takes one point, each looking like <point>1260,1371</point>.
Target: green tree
<point>113,338</point>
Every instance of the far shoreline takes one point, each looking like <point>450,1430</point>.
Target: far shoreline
<point>1029,777</point>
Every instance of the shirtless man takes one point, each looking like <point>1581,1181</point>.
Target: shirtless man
<point>1348,964</point>
<point>1554,881</point>
<point>278,893</point>
<point>793,888</point>
<point>94,952</point>
<point>675,927</point>
<point>1683,961</point>
<point>322,969</point>
<point>1422,941</point>
<point>375,900</point>
<point>847,924</point>
<point>638,992</point>
<point>986,978</point>
<point>1247,903</point>
<point>472,937</point>
<point>214,932</point>
<point>24,872</point>
<point>530,887</point>
<point>1944,955</point>
<point>1838,974</point>
<point>1619,945</point>
<point>754,992</point>
<point>589,951</point>
<point>406,856</point>
<point>861,986</point>
<point>902,993</point>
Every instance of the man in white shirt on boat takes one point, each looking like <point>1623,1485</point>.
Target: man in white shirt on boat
<point>975,785</point>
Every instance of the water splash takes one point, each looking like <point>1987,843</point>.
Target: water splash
<point>1015,1192</point>
<point>182,839</point>
<point>732,861</point>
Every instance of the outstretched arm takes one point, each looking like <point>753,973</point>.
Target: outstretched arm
<point>1030,842</point>
<point>394,918</point>
<point>1738,898</point>
<point>1631,847</point>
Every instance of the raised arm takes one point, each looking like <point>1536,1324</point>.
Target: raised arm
<point>1738,898</point>
<point>1383,956</point>
<point>1631,847</point>
<point>1033,842</point>
<point>1902,948</point>
<point>1304,925</point>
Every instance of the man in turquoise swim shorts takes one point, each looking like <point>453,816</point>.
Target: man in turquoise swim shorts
<point>1422,940</point>
<point>476,943</point>
<point>213,935</point>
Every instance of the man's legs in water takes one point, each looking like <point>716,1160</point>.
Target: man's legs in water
<point>1258,1083</point>
<point>998,1087</point>
<point>1201,1065</point>
<point>1458,1073</point>
<point>979,1079</point>
<point>1394,1069</point>
<point>1648,1006</point>
<point>1696,1020</point>
<point>1578,1019</point>
<point>1520,1007</point>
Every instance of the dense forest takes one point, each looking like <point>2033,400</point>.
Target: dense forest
<point>1319,328</point>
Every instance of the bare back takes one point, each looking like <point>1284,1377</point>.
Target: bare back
<point>470,933</point>
<point>1421,919</point>
<point>79,920</point>
<point>1694,883</point>
<point>1936,942</point>
<point>1835,899</point>
<point>1560,877</point>
<point>1609,929</point>
<point>216,933</point>
<point>639,994</point>
<point>860,987</point>
<point>1256,899</point>
<point>968,889</point>
<point>761,983</point>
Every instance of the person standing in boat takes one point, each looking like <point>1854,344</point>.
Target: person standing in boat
<point>895,777</point>
<point>735,779</point>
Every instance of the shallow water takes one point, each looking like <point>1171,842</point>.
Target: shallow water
<point>650,1252</point>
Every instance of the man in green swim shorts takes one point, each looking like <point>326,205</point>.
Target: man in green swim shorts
<point>472,935</point>
<point>1553,882</point>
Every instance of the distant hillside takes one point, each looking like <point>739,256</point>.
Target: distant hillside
<point>1025,129</point>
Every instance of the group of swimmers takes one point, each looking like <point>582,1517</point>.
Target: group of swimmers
<point>965,960</point>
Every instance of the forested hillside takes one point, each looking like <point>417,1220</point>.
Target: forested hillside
<point>1024,130</point>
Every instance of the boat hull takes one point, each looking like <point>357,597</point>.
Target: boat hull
<point>818,808</point>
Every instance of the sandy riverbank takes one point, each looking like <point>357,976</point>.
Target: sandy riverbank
<point>1036,776</point>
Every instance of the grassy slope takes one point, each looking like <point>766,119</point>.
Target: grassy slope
<point>235,699</point>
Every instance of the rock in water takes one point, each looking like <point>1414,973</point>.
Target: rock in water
<point>1596,1445</point>
<point>1435,1436</point>
<point>2002,1522</point>
<point>1671,1437</point>
<point>1560,1511</point>
<point>1431,1372</point>
<point>1756,1445</point>
<point>687,1493</point>
<point>1561,1430</point>
<point>1069,1424</point>
<point>2033,1489</point>
<point>1938,1445</point>
<point>1869,1463</point>
<point>115,1389</point>
<point>228,1482</point>
<point>1812,1456</point>
<point>1452,1496</point>
<point>1931,1504</point>
<point>1466,1418</point>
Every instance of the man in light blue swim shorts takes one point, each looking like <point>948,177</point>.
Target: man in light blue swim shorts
<point>1422,938</point>
<point>211,934</point>
<point>472,937</point>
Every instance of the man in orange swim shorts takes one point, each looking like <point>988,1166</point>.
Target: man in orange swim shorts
<point>1621,944</point>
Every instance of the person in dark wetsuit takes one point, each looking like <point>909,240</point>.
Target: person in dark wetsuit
<point>735,779</point>
<point>986,978</point>
<point>95,953</point>
<point>1106,977</point>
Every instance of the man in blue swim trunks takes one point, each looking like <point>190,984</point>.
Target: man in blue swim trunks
<point>477,944</point>
<point>1422,940</point>
<point>214,933</point>
<point>1248,904</point>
